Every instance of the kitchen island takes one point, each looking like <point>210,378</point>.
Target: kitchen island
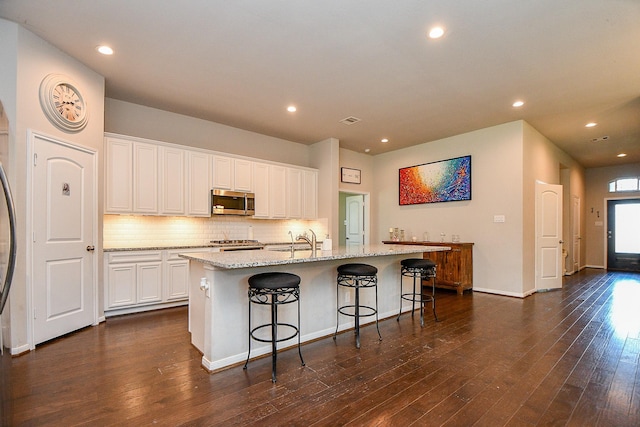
<point>218,303</point>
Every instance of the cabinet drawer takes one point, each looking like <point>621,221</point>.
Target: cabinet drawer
<point>134,257</point>
<point>172,255</point>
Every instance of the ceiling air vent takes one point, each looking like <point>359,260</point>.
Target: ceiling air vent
<point>601,139</point>
<point>350,120</point>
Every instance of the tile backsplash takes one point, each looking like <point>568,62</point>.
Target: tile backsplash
<point>132,231</point>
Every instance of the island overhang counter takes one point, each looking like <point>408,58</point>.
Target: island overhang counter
<point>218,303</point>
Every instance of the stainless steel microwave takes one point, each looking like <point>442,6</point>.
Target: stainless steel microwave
<point>225,202</point>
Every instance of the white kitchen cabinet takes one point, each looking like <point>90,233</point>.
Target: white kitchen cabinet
<point>149,282</point>
<point>278,191</point>
<point>222,173</point>
<point>198,184</point>
<point>176,275</point>
<point>232,174</point>
<point>294,193</point>
<point>261,189</point>
<point>146,280</point>
<point>145,178</point>
<point>172,182</point>
<point>118,176</point>
<point>242,175</point>
<point>132,278</point>
<point>310,194</point>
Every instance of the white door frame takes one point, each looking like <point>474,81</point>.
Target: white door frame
<point>605,218</point>
<point>367,213</point>
<point>31,135</point>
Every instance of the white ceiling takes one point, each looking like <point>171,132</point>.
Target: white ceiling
<point>241,63</point>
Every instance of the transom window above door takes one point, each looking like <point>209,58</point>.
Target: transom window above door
<point>623,184</point>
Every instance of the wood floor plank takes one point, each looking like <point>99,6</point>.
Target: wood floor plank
<point>560,358</point>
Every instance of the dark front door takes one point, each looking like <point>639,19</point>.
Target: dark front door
<point>623,235</point>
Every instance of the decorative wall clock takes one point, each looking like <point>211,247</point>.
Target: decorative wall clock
<point>63,103</point>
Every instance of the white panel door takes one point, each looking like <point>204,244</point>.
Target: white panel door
<point>355,221</point>
<point>63,213</point>
<point>548,236</point>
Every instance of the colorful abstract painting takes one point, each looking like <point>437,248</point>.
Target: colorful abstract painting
<point>442,181</point>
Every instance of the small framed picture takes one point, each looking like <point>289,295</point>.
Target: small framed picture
<point>350,175</point>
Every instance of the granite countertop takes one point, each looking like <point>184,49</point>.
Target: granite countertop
<point>158,248</point>
<point>248,259</point>
<point>211,245</point>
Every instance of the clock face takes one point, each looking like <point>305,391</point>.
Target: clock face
<point>63,103</point>
<point>68,103</point>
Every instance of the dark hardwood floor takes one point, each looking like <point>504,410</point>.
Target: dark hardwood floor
<point>566,357</point>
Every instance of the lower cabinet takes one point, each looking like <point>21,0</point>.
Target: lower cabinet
<point>146,280</point>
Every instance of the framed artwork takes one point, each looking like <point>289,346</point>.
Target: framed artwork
<point>350,175</point>
<point>442,181</point>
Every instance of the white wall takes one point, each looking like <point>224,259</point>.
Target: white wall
<point>496,170</point>
<point>544,162</point>
<point>29,60</point>
<point>597,185</point>
<point>145,122</point>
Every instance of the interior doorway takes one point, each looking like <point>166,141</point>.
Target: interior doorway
<point>354,219</point>
<point>623,235</point>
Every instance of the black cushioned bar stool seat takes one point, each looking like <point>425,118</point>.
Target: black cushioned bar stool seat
<point>357,276</point>
<point>418,269</point>
<point>274,289</point>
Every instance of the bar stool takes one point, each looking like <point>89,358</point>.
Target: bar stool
<point>357,276</point>
<point>418,268</point>
<point>274,289</point>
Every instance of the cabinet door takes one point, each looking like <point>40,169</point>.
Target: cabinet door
<point>243,175</point>
<point>294,193</point>
<point>222,173</point>
<point>145,178</point>
<point>118,176</point>
<point>177,280</point>
<point>261,189</point>
<point>198,184</point>
<point>278,192</point>
<point>172,186</point>
<point>310,195</point>
<point>149,278</point>
<point>121,285</point>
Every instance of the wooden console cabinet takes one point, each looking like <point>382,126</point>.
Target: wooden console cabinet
<point>454,267</point>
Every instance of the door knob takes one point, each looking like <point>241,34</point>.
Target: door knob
<point>90,248</point>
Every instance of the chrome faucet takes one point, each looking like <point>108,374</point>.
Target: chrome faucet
<point>312,242</point>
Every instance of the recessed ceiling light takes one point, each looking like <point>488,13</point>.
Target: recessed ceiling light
<point>366,150</point>
<point>105,50</point>
<point>384,140</point>
<point>436,32</point>
<point>590,125</point>
<point>518,104</point>
<point>622,155</point>
<point>292,108</point>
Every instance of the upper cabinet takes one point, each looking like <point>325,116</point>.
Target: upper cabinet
<point>243,175</point>
<point>172,183</point>
<point>153,178</point>
<point>198,183</point>
<point>118,176</point>
<point>294,193</point>
<point>310,194</point>
<point>261,188</point>
<point>232,174</point>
